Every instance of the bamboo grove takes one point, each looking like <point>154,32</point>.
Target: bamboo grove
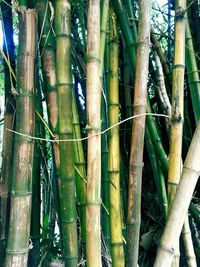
<point>100,152</point>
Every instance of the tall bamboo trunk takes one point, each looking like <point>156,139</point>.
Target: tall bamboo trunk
<point>177,108</point>
<point>7,154</point>
<point>80,172</point>
<point>93,100</point>
<point>177,103</point>
<point>136,157</point>
<point>126,31</point>
<point>189,178</point>
<point>48,62</point>
<point>114,151</point>
<point>193,75</point>
<point>48,66</point>
<point>19,227</point>
<point>66,182</point>
<point>34,254</point>
<point>104,137</point>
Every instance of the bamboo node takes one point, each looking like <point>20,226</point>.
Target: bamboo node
<point>93,203</point>
<point>191,169</point>
<point>117,244</point>
<point>93,58</point>
<point>143,43</point>
<point>70,257</point>
<point>68,221</point>
<point>180,13</point>
<point>21,251</point>
<point>20,194</point>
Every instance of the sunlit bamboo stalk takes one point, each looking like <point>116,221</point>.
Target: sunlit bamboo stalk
<point>177,107</point>
<point>93,100</point>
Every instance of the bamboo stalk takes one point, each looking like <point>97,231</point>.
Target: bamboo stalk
<point>66,183</point>
<point>104,138</point>
<point>80,172</point>
<point>131,18</point>
<point>34,254</point>
<point>93,100</point>
<point>7,148</point>
<point>126,31</point>
<point>155,137</point>
<point>18,239</point>
<point>177,103</point>
<point>193,75</point>
<point>158,176</point>
<point>48,61</point>
<point>177,108</point>
<point>48,65</point>
<point>136,157</point>
<point>114,151</point>
<point>189,178</point>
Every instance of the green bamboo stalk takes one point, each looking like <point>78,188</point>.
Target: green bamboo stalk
<point>7,153</point>
<point>126,31</point>
<point>66,181</point>
<point>155,137</point>
<point>104,138</point>
<point>19,227</point>
<point>158,176</point>
<point>189,178</point>
<point>136,157</point>
<point>193,75</point>
<point>129,6</point>
<point>93,100</point>
<point>80,172</point>
<point>34,254</point>
<point>114,150</point>
<point>103,26</point>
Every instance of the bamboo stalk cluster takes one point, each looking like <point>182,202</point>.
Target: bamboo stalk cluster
<point>116,186</point>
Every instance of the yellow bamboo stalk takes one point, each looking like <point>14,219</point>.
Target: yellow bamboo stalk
<point>177,108</point>
<point>114,151</point>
